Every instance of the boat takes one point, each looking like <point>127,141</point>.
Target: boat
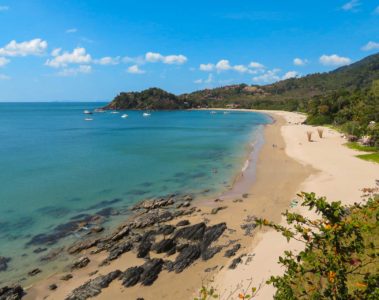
<point>124,116</point>
<point>146,114</point>
<point>88,119</point>
<point>87,112</point>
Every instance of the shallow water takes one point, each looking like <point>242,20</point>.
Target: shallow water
<point>55,165</point>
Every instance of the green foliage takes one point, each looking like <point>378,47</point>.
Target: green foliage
<point>374,157</point>
<point>340,259</point>
<point>359,147</point>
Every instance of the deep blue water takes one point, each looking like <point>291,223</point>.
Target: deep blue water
<point>54,164</point>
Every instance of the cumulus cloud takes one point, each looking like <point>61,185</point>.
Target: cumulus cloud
<point>32,47</point>
<point>207,67</point>
<point>370,46</point>
<point>207,80</point>
<point>169,59</point>
<point>71,30</point>
<point>3,61</point>
<point>4,77</point>
<point>267,77</point>
<point>77,56</point>
<point>223,65</point>
<point>351,6</point>
<point>240,68</point>
<point>299,61</point>
<point>334,60</point>
<point>84,69</point>
<point>256,65</point>
<point>135,70</point>
<point>108,60</point>
<point>4,8</point>
<point>290,74</point>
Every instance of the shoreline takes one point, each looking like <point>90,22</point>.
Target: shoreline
<point>255,203</point>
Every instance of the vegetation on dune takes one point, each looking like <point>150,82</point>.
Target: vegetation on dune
<point>340,259</point>
<point>374,157</point>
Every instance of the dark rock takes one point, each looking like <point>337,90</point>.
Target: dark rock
<point>97,229</point>
<point>186,204</point>
<point>82,245</point>
<point>165,245</point>
<point>121,234</point>
<point>208,253</point>
<point>249,228</point>
<point>80,263</point>
<point>235,262</point>
<point>131,276</point>
<point>217,209</point>
<point>166,229</point>
<point>193,232</point>
<point>93,287</point>
<point>52,254</point>
<point>4,263</point>
<point>39,250</point>
<point>151,268</point>
<point>232,251</point>
<point>185,258</point>
<point>66,277</point>
<point>53,287</point>
<point>11,293</point>
<point>145,244</point>
<point>34,272</point>
<point>212,233</point>
<point>152,217</point>
<point>154,203</point>
<point>183,223</point>
<point>117,251</point>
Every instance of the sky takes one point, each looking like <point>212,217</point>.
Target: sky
<point>62,50</point>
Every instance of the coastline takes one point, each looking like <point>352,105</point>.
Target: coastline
<point>252,202</point>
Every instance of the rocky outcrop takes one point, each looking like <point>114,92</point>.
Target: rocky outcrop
<point>185,258</point>
<point>193,232</point>
<point>11,292</point>
<point>93,287</point>
<point>80,263</point>
<point>131,276</point>
<point>151,270</point>
<point>117,251</point>
<point>232,251</point>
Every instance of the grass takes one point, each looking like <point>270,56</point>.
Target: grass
<point>359,147</point>
<point>374,157</point>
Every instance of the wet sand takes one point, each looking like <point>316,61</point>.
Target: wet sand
<point>266,194</point>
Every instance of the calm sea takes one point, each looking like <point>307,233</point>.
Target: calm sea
<point>55,165</point>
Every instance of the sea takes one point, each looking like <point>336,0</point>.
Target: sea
<point>57,163</point>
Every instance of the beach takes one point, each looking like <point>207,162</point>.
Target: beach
<point>286,164</point>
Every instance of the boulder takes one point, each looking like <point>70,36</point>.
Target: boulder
<point>183,223</point>
<point>81,262</point>
<point>193,232</point>
<point>186,257</point>
<point>131,276</point>
<point>232,251</point>
<point>165,245</point>
<point>11,292</point>
<point>34,272</point>
<point>151,270</point>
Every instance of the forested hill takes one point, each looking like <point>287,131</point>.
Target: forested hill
<point>284,94</point>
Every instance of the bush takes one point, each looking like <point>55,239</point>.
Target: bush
<point>319,120</point>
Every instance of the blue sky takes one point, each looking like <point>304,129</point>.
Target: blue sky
<point>91,50</point>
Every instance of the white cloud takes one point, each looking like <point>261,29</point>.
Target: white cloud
<point>3,61</point>
<point>135,70</point>
<point>139,60</point>
<point>72,30</point>
<point>108,60</point>
<point>207,67</point>
<point>290,74</point>
<point>334,60</point>
<point>84,69</point>
<point>4,77</point>
<point>370,46</point>
<point>299,61</point>
<point>77,56</point>
<point>256,65</point>
<point>240,68</point>
<point>4,7</point>
<point>223,65</point>
<point>208,80</point>
<point>32,47</point>
<point>267,77</point>
<point>351,6</point>
<point>56,51</point>
<point>169,59</point>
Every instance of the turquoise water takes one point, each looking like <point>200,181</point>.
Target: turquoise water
<point>55,165</point>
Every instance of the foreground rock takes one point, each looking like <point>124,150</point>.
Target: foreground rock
<point>93,287</point>
<point>146,274</point>
<point>11,293</point>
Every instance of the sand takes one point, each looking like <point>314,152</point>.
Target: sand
<point>286,164</point>
<point>339,176</point>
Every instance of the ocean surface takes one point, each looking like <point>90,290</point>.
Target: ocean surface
<point>55,165</point>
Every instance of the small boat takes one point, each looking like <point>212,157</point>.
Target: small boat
<point>115,112</point>
<point>213,112</point>
<point>87,112</point>
<point>88,119</point>
<point>124,116</point>
<point>99,110</point>
<point>145,114</point>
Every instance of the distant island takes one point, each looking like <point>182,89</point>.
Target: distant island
<point>347,97</point>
